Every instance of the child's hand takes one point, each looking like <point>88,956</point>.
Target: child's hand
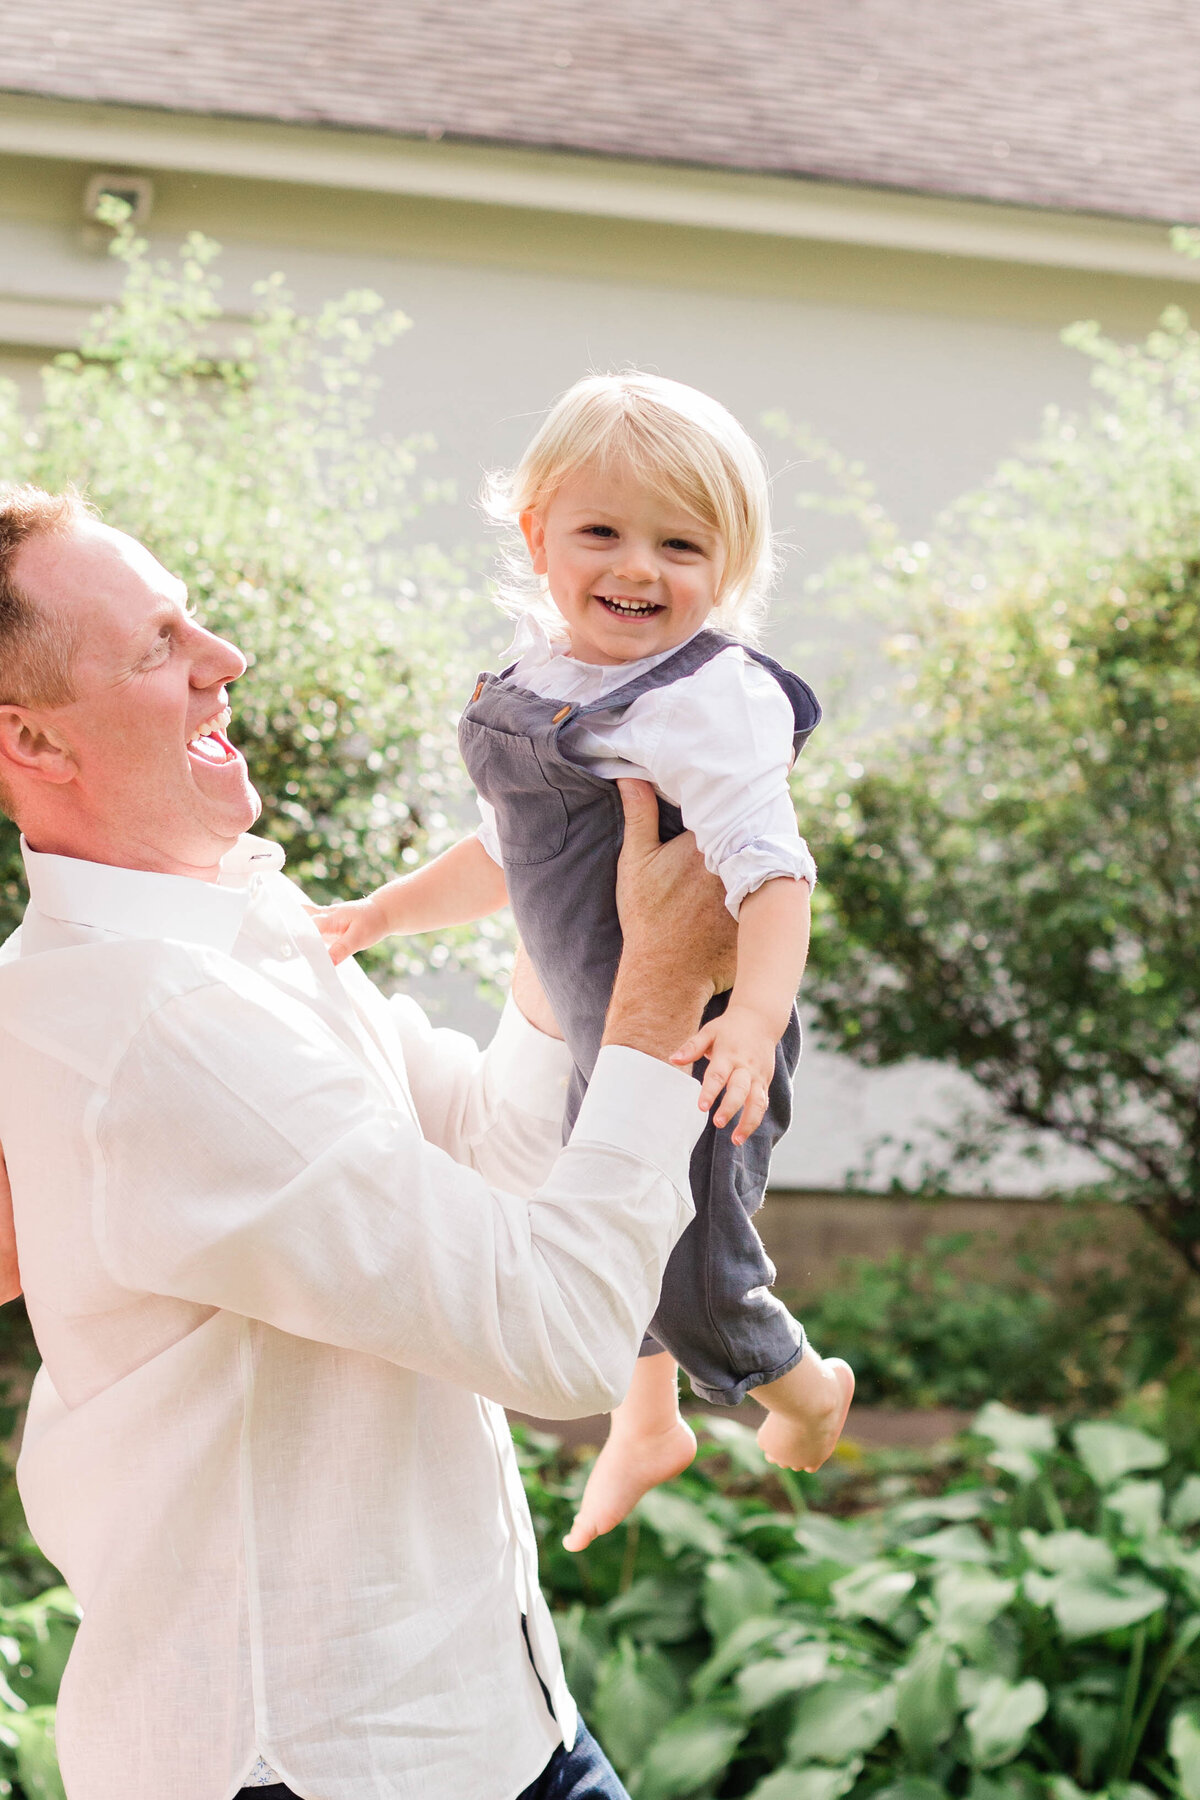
<point>351,926</point>
<point>740,1048</point>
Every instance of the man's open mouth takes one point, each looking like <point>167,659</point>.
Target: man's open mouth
<point>208,742</point>
<point>628,609</point>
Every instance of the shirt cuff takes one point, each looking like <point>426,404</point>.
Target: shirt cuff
<point>644,1107</point>
<point>765,859</point>
<point>530,1069</point>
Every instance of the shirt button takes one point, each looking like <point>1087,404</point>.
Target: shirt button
<point>286,950</point>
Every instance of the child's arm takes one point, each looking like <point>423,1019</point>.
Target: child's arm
<point>773,926</point>
<point>462,884</point>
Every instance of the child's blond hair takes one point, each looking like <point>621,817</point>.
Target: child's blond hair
<point>688,450</point>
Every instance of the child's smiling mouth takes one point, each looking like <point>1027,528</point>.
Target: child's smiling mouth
<point>621,608</point>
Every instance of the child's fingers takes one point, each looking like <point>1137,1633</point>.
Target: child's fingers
<point>715,1076</point>
<point>695,1048</point>
<point>736,1090</point>
<point>752,1112</point>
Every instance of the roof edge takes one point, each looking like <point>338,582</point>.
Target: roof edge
<point>563,181</point>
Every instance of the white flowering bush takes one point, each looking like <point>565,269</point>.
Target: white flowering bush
<point>242,453</point>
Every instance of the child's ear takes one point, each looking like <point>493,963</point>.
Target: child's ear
<point>533,530</point>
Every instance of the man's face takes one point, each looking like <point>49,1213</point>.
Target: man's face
<point>146,789</point>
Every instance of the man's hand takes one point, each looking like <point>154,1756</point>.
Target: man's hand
<point>680,941</point>
<point>10,1275</point>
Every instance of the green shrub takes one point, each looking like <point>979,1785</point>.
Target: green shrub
<point>1011,859</point>
<point>954,1324</point>
<point>1025,1628</point>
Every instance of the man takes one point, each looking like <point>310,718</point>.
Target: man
<point>278,1237</point>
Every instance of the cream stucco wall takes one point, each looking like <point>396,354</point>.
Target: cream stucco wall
<point>926,365</point>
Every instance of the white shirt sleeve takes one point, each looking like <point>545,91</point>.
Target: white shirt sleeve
<point>498,1109</point>
<point>249,1163</point>
<point>721,750</point>
<point>488,833</point>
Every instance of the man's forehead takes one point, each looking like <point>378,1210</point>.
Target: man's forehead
<point>103,579</point>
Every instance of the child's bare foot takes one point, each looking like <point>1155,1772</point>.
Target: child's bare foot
<point>807,1410</point>
<point>630,1464</point>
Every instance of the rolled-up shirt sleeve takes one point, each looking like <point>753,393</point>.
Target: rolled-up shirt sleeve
<point>722,753</point>
<point>246,1161</point>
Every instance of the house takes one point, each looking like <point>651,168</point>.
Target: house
<point>874,217</point>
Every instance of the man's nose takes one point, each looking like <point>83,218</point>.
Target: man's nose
<point>216,661</point>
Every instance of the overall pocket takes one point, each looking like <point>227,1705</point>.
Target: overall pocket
<point>531,813</point>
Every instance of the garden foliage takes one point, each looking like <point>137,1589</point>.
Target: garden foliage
<point>1027,1632</point>
<point>1011,861</point>
<point>241,452</point>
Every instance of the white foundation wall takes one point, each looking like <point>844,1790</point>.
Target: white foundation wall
<point>927,369</point>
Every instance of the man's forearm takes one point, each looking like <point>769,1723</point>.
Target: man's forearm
<point>655,1005</point>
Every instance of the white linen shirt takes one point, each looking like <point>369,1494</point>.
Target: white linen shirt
<point>283,1267</point>
<point>717,744</point>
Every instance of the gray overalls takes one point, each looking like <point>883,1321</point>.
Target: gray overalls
<point>560,830</point>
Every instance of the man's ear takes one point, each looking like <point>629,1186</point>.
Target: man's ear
<point>533,529</point>
<point>31,748</point>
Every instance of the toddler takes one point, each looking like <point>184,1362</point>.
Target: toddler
<point>644,511</point>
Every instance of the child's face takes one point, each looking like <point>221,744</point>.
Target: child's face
<point>631,574</point>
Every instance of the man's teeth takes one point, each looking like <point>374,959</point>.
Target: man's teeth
<point>634,609</point>
<point>220,723</point>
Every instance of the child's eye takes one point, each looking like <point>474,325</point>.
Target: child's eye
<point>684,544</point>
<point>601,531</point>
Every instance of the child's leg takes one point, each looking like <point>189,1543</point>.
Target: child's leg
<point>648,1442</point>
<point>807,1409</point>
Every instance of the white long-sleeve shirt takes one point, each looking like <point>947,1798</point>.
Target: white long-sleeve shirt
<point>717,744</point>
<point>284,1267</point>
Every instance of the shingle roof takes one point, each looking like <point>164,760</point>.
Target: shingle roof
<point>1091,105</point>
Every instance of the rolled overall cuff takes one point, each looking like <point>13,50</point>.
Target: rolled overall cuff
<point>644,1107</point>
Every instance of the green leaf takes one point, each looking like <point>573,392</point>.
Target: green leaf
<point>735,1650</point>
<point>912,1787</point>
<point>839,1719</point>
<point>736,1589</point>
<point>659,1609</point>
<point>1002,1718</point>
<point>760,1684</point>
<point>875,1591</point>
<point>1110,1451</point>
<point>1090,1605</point>
<point>37,1761</point>
<point>1020,1440</point>
<point>807,1784</point>
<point>694,1749</point>
<point>1185,1504</point>
<point>966,1600</point>
<point>680,1523</point>
<point>1183,1747</point>
<point>637,1695</point>
<point>927,1698</point>
<point>1139,1507</point>
<point>738,1442</point>
<point>953,1544</point>
<point>1070,1552</point>
<point>829,1540</point>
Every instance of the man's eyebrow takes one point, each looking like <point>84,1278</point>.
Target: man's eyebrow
<point>167,614</point>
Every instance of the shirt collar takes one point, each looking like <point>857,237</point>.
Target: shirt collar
<point>135,904</point>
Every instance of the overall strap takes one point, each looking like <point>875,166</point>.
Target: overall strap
<point>685,661</point>
<point>806,708</point>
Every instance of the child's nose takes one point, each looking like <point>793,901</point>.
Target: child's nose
<point>635,563</point>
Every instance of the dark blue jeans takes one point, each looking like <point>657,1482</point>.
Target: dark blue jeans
<point>583,1773</point>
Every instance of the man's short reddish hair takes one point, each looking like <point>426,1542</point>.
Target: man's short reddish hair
<point>36,650</point>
